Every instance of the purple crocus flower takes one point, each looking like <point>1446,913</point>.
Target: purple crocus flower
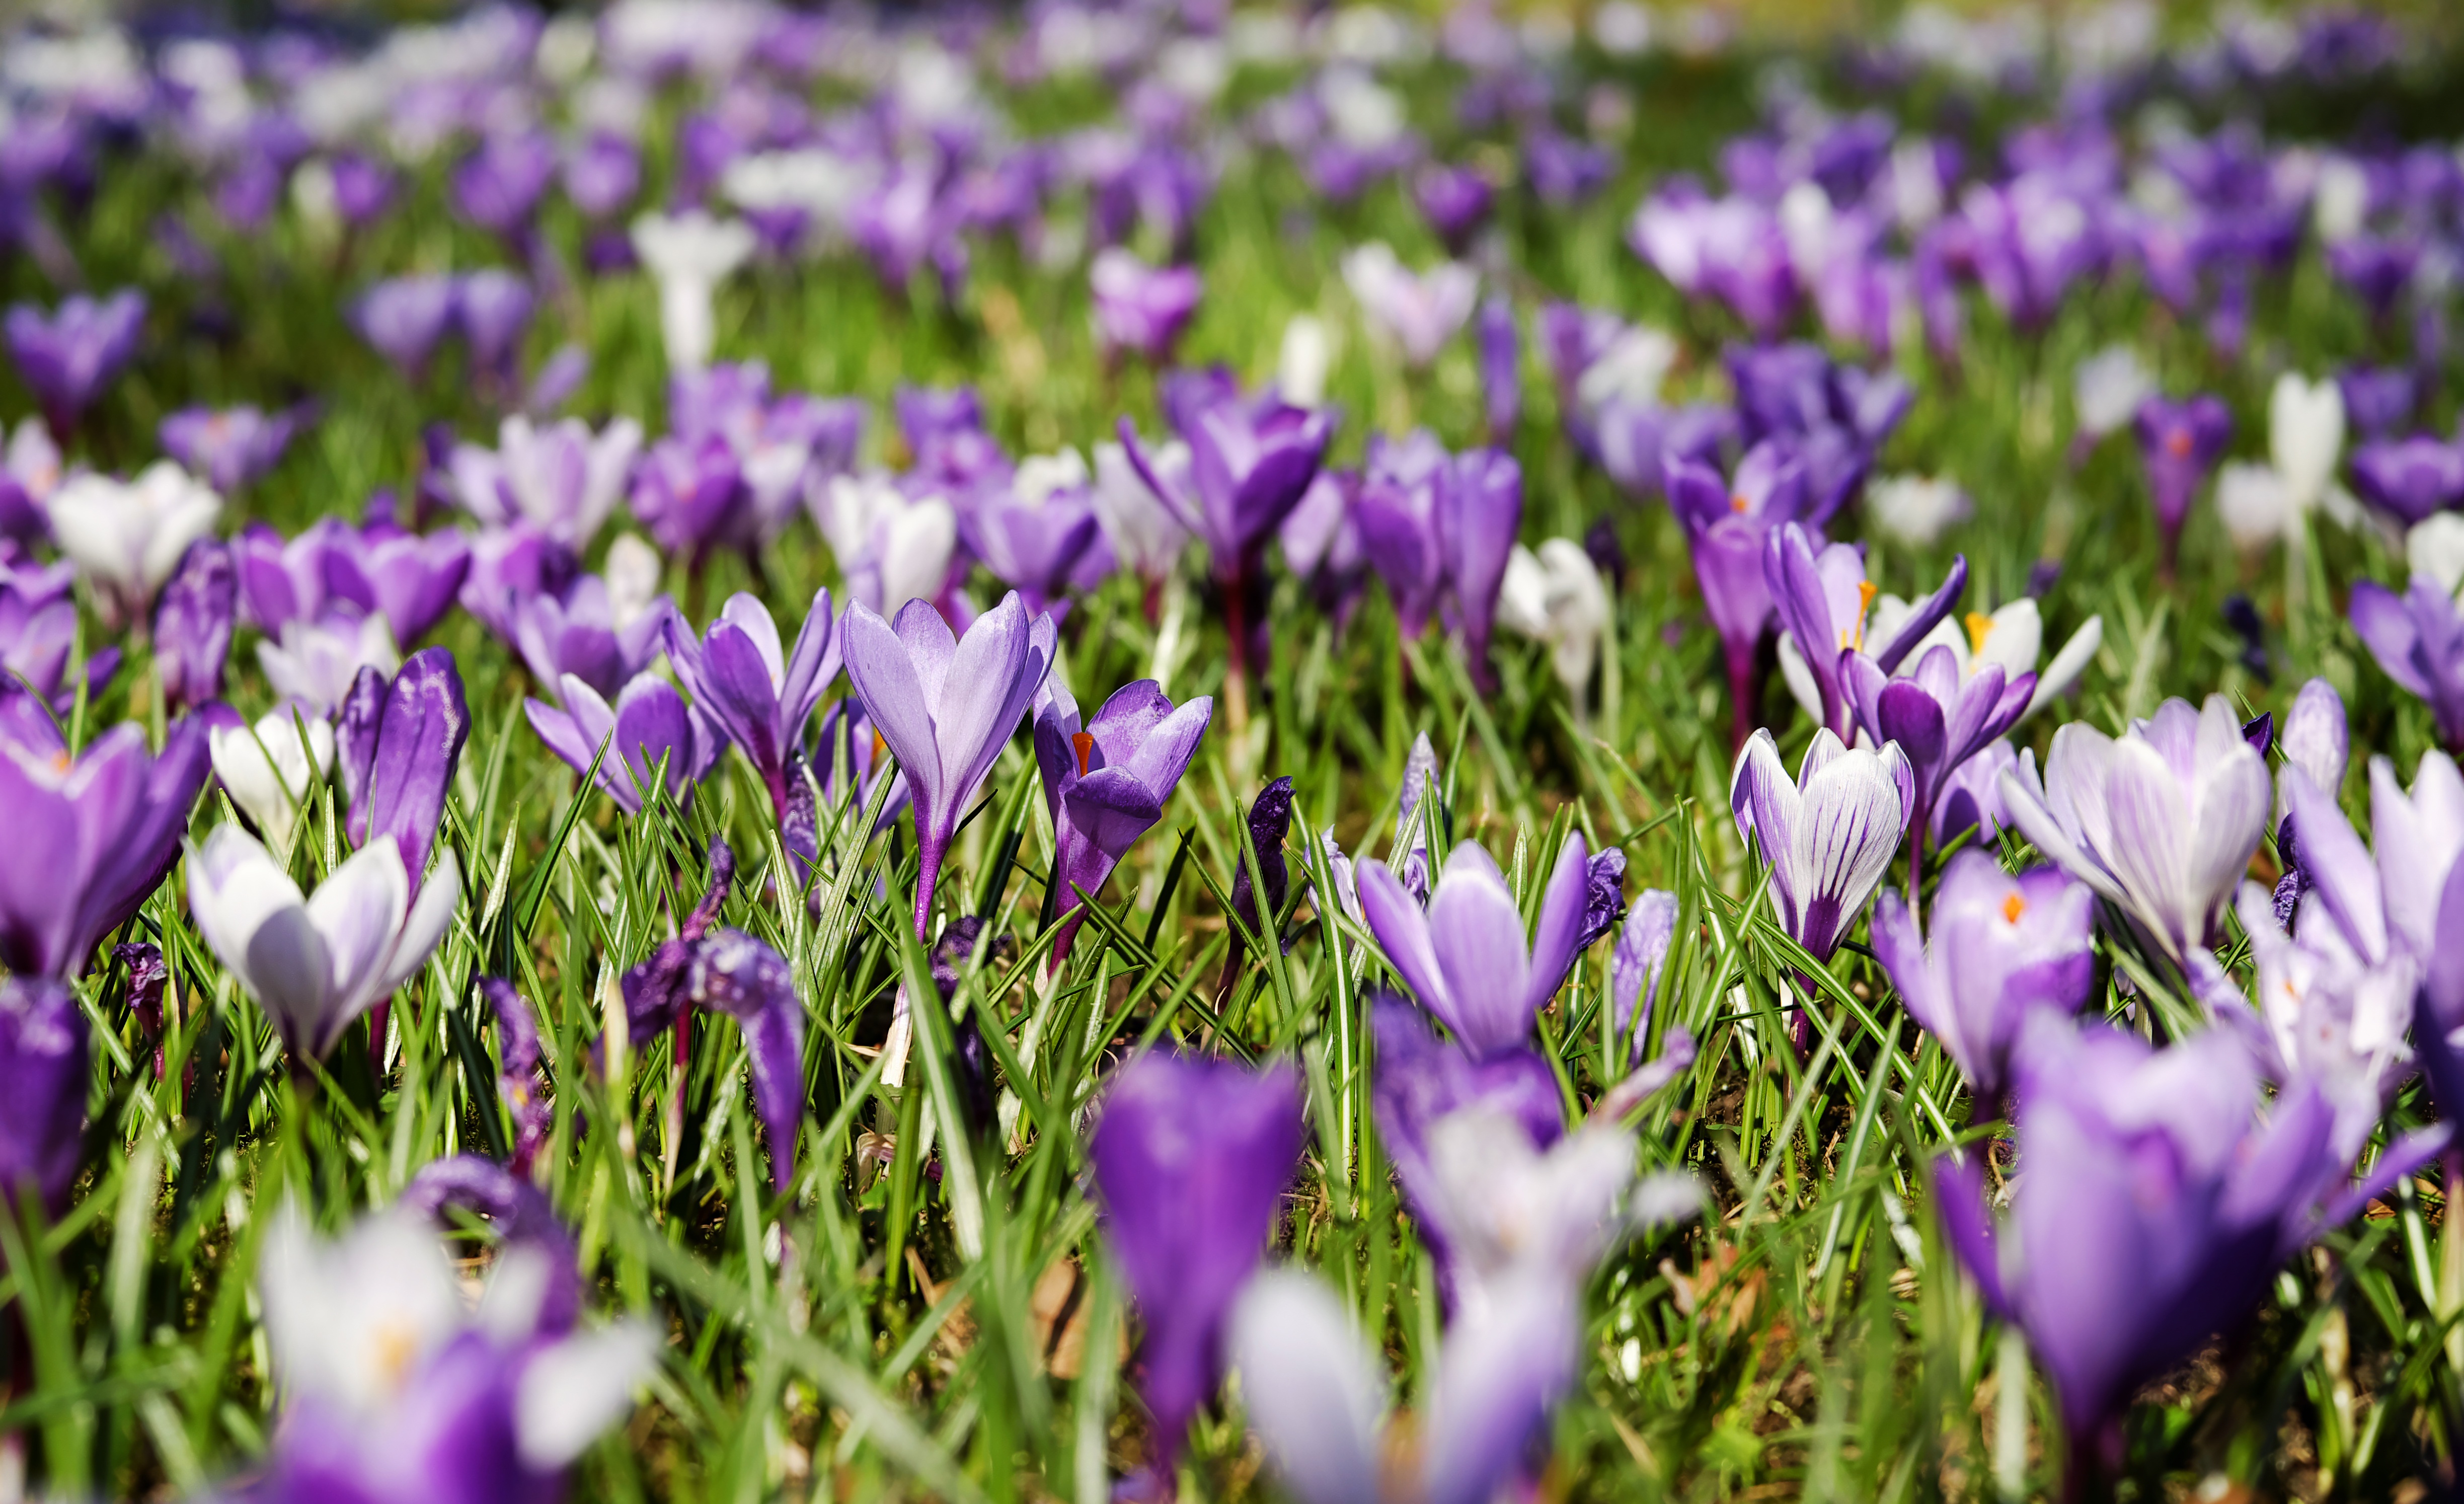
<point>403,319</point>
<point>2415,478</point>
<point>507,564</point>
<point>2161,822</point>
<point>1465,957</point>
<point>498,186</point>
<point>648,726</point>
<point>1106,781</point>
<point>691,496</point>
<point>945,707</point>
<point>1732,249</point>
<point>231,448</point>
<point>399,741</point>
<point>493,309</point>
<point>1142,308</point>
<point>1040,533</point>
<point>192,626</point>
<point>1937,717</point>
<point>519,1084</point>
<point>601,174</point>
<point>2380,399</point>
<point>363,187</point>
<point>2376,268</point>
<point>30,471</point>
<point>728,971</point>
<point>2154,1208</point>
<point>39,627</point>
<point>43,1079</point>
<point>2028,241</point>
<point>2418,640</point>
<point>558,477</point>
<point>1191,1158</point>
<point>1401,483</point>
<point>1827,836</point>
<point>1480,509</point>
<point>95,835</point>
<point>1562,171</point>
<point>1729,525</point>
<point>67,359</point>
<point>1824,603</point>
<point>1455,201</point>
<point>578,634</point>
<point>1501,369</point>
<point>759,694</point>
<point>2001,947</point>
<point>410,578</point>
<point>2179,442</point>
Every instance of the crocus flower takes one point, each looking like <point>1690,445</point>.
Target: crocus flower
<point>2418,640</point>
<point>1401,485</point>
<point>95,835</point>
<point>891,550</point>
<point>1727,526</point>
<point>30,471</point>
<point>1732,249</point>
<point>2001,947</point>
<point>1636,964</point>
<point>1146,538</point>
<point>231,447</point>
<point>2012,635</point>
<point>649,726</point>
<point>2413,477</point>
<point>2154,1208</point>
<point>318,661</point>
<point>1455,201</point>
<point>1191,1160</point>
<point>691,496</point>
<point>1480,509</point>
<point>2108,390</point>
<point>1501,370</point>
<point>1465,957</point>
<point>396,1388</point>
<point>759,695</point>
<point>127,535</point>
<point>2316,740</point>
<point>39,627</point>
<point>67,359</point>
<point>192,626</point>
<point>506,566</point>
<point>2161,822</point>
<point>399,741</point>
<point>1937,716</point>
<point>498,186</point>
<point>2379,399</point>
<point>1918,509</point>
<point>1106,781</point>
<point>562,477</point>
<point>1140,308</point>
<point>2180,442</point>
<point>493,309</point>
<point>268,768</point>
<point>578,633</point>
<point>1824,602</point>
<point>404,319</point>
<point>317,964</point>
<point>2305,436</point>
<point>1419,311</point>
<point>1555,596</point>
<point>519,1083</point>
<point>945,706</point>
<point>1036,532</point>
<point>689,256</point>
<point>43,1077</point>
<point>1828,835</point>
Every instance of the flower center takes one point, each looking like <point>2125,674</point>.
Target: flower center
<point>1084,743</point>
<point>394,1345</point>
<point>1979,627</point>
<point>2177,443</point>
<point>880,749</point>
<point>1739,504</point>
<point>1855,637</point>
<point>2013,907</point>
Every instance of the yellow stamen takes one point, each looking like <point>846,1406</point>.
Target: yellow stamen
<point>880,749</point>
<point>1084,743</point>
<point>2013,907</point>
<point>396,1345</point>
<point>1979,627</point>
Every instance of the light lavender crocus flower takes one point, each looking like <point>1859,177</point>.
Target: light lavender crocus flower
<point>1146,538</point>
<point>2001,947</point>
<point>68,357</point>
<point>317,963</point>
<point>405,319</point>
<point>1035,534</point>
<point>317,661</point>
<point>648,727</point>
<point>1106,781</point>
<point>1419,311</point>
<point>1827,836</point>
<point>231,447</point>
<point>1191,1160</point>
<point>43,1075</point>
<point>399,741</point>
<point>579,633</point>
<point>1466,958</point>
<point>1141,308</point>
<point>891,550</point>
<point>30,469</point>
<point>757,692</point>
<point>1501,370</point>
<point>2161,822</point>
<point>946,707</point>
<point>39,627</point>
<point>2418,640</point>
<point>562,479</point>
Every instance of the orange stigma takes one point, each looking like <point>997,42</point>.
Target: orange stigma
<point>1739,504</point>
<point>1084,743</point>
<point>2177,443</point>
<point>880,749</point>
<point>2013,907</point>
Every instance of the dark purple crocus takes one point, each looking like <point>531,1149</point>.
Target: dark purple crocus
<point>1728,525</point>
<point>1140,308</point>
<point>649,727</point>
<point>1938,719</point>
<point>231,448</point>
<point>1396,512</point>
<point>507,564</point>
<point>2179,442</point>
<point>2413,478</point>
<point>1465,957</point>
<point>2379,399</point>
<point>1106,781</point>
<point>2418,639</point>
<point>577,633</point>
<point>728,971</point>
<point>755,690</point>
<point>409,579</point>
<point>399,742</point>
<point>68,358</point>
<point>691,496</point>
<point>1501,369</point>
<point>405,319</point>
<point>192,626</point>
<point>1192,1158</point>
<point>498,186</point>
<point>2153,1207</point>
<point>945,706</point>
<point>1455,201</point>
<point>42,1090</point>
<point>521,1085</point>
<point>1823,600</point>
<point>2001,947</point>
<point>92,836</point>
<point>2376,268</point>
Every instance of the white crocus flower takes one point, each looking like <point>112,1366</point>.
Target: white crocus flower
<point>2305,436</point>
<point>1917,509</point>
<point>2256,504</point>
<point>891,550</point>
<point>127,535</point>
<point>1630,371</point>
<point>269,767</point>
<point>2107,389</point>
<point>1146,538</point>
<point>689,254</point>
<point>316,661</point>
<point>2010,637</point>
<point>1421,310</point>
<point>1555,596</point>
<point>1303,361</point>
<point>2435,548</point>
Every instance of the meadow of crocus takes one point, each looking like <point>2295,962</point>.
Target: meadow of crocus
<point>1162,749</point>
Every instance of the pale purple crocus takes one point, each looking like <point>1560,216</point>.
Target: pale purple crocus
<point>1938,717</point>
<point>2412,479</point>
<point>1826,835</point>
<point>379,571</point>
<point>753,687</point>
<point>2418,640</point>
<point>691,496</point>
<point>192,626</point>
<point>578,634</point>
<point>1501,370</point>
<point>1401,482</point>
<point>231,447</point>
<point>1106,781</point>
<point>2153,1208</point>
<point>1418,311</point>
<point>30,469</point>
<point>1466,958</point>
<point>2001,947</point>
<point>945,707</point>
<point>399,741</point>
<point>67,358</point>
<point>1636,964</point>
<point>493,309</point>
<point>1727,526</point>
<point>405,319</point>
<point>1732,249</point>
<point>649,727</point>
<point>43,1076</point>
<point>315,660</point>
<point>1036,532</point>
<point>2179,442</point>
<point>1191,1158</point>
<point>1825,604</point>
<point>1479,512</point>
<point>562,479</point>
<point>2161,822</point>
<point>1455,201</point>
<point>1139,308</point>
<point>94,835</point>
<point>39,627</point>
